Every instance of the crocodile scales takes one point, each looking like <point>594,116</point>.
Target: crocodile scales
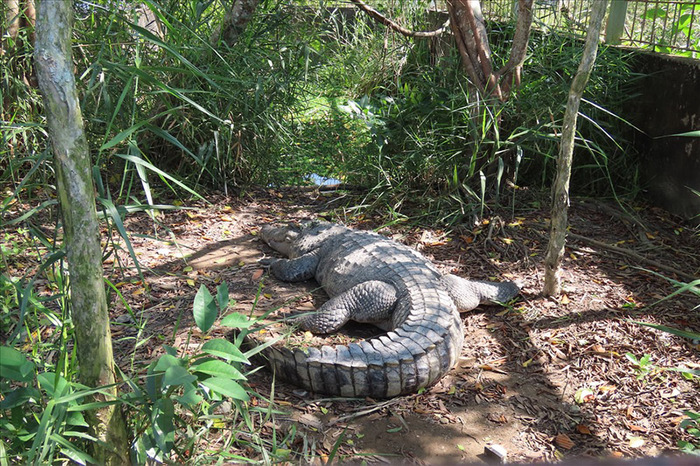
<point>373,279</point>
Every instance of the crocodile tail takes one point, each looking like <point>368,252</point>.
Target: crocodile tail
<point>399,362</point>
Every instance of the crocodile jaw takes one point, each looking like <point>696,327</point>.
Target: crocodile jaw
<point>280,238</point>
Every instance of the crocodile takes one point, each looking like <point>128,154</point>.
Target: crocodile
<point>372,279</point>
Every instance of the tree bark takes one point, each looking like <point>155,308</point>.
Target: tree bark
<point>81,230</point>
<point>560,189</point>
<point>469,29</point>
<point>236,18</point>
<point>510,74</point>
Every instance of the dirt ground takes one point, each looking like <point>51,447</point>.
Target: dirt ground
<point>545,379</point>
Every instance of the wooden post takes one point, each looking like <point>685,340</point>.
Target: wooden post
<point>616,22</point>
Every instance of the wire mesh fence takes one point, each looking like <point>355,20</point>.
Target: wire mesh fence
<point>670,26</point>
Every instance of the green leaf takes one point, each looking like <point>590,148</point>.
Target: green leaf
<point>222,296</point>
<point>653,13</point>
<point>71,451</point>
<point>76,418</point>
<point>190,397</point>
<point>204,309</point>
<point>55,386</point>
<point>177,375</point>
<point>165,362</point>
<point>117,219</point>
<point>153,168</point>
<point>236,320</point>
<point>671,330</point>
<point>14,365</point>
<point>689,134</point>
<point>226,387</point>
<point>122,136</point>
<point>219,369</point>
<point>32,211</point>
<point>163,425</point>
<point>224,349</point>
<point>19,397</point>
<point>632,358</point>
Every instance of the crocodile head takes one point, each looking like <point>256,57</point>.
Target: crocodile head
<point>281,238</point>
<point>294,240</point>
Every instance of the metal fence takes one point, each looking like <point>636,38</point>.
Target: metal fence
<point>669,26</point>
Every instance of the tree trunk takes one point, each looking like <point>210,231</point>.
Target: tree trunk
<point>560,189</point>
<point>236,18</point>
<point>81,230</point>
<point>510,73</point>
<point>469,29</point>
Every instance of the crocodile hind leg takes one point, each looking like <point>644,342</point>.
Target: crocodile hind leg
<point>468,294</point>
<point>369,302</point>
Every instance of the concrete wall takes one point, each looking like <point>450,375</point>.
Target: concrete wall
<point>669,103</point>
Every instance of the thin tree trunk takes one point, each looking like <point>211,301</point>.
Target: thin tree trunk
<point>560,189</point>
<point>511,72</point>
<point>81,233</point>
<point>12,18</point>
<point>470,34</point>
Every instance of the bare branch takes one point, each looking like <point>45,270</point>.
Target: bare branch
<point>397,27</point>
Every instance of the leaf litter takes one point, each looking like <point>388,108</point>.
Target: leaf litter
<point>544,379</point>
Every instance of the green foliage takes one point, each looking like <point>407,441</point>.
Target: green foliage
<point>177,401</point>
<point>184,396</point>
<point>680,34</point>
<point>173,100</point>
<point>318,90</point>
<point>692,427</point>
<point>604,160</point>
<point>642,366</point>
<point>41,413</point>
<point>426,135</point>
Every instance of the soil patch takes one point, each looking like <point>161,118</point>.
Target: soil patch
<point>545,379</point>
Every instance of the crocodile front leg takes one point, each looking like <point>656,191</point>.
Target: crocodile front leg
<point>369,302</point>
<point>293,270</point>
<point>468,294</point>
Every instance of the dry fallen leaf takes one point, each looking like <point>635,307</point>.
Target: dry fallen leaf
<point>635,428</point>
<point>563,441</point>
<point>583,429</point>
<point>257,274</point>
<point>598,348</point>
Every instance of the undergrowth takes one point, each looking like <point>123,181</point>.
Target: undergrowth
<point>303,91</point>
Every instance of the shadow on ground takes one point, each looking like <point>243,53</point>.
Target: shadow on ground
<point>544,379</point>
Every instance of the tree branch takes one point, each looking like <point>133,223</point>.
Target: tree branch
<point>463,48</point>
<point>510,72</point>
<point>397,27</point>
